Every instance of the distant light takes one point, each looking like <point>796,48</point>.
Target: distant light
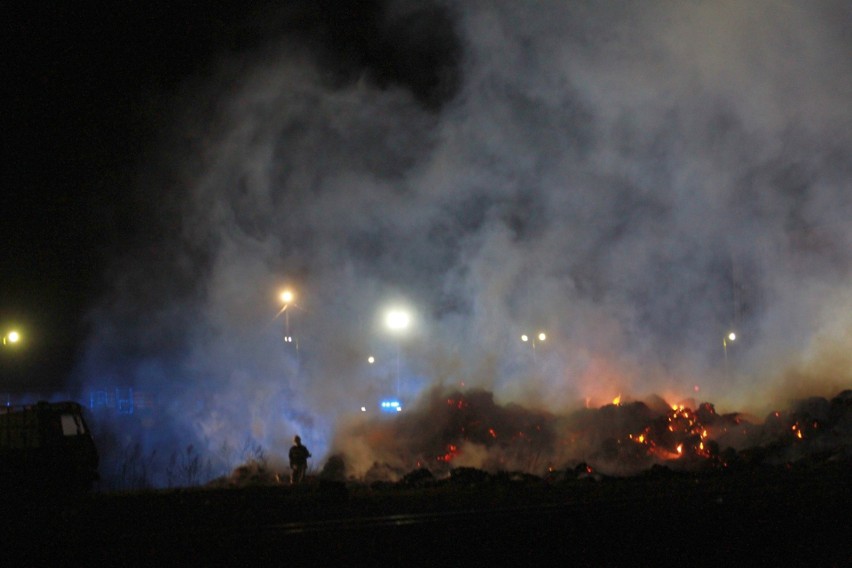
<point>525,338</point>
<point>391,406</point>
<point>732,336</point>
<point>363,409</point>
<point>287,296</point>
<point>542,336</point>
<point>371,359</point>
<point>12,337</point>
<point>288,339</point>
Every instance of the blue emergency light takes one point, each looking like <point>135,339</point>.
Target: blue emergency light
<point>391,406</point>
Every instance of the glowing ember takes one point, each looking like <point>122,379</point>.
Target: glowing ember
<point>452,451</point>
<point>625,437</point>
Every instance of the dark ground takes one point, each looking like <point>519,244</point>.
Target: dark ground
<point>769,516</point>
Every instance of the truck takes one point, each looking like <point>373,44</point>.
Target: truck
<point>46,446</point>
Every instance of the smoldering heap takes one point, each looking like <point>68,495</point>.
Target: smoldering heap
<point>468,429</point>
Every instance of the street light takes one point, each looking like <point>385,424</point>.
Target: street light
<point>287,296</point>
<point>397,321</point>
<point>731,336</point>
<point>532,340</point>
<point>11,338</point>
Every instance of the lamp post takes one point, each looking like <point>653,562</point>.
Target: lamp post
<point>730,336</point>
<point>397,321</point>
<point>541,336</point>
<point>287,296</point>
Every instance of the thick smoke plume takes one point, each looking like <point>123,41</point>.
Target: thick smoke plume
<point>634,180</point>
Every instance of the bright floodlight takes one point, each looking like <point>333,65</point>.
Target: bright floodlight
<point>542,336</point>
<point>287,296</point>
<point>397,320</point>
<point>732,336</point>
<point>12,337</point>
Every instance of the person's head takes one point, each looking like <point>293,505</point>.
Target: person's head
<point>297,439</point>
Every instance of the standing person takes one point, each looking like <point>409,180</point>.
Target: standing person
<point>299,455</point>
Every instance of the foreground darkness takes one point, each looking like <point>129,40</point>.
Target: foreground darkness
<point>755,514</point>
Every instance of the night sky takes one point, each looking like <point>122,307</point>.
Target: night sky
<point>636,179</point>
<point>90,87</point>
<point>82,91</point>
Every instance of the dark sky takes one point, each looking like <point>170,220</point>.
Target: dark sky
<point>84,85</point>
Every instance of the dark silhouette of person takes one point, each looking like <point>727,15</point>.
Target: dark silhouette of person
<point>299,455</point>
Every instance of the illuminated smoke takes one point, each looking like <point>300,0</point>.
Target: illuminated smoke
<point>637,180</point>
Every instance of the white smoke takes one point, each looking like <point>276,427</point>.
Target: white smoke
<point>635,180</point>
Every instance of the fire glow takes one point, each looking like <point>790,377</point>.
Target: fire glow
<point>469,429</point>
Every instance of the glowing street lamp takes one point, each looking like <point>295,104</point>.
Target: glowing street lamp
<point>532,340</point>
<point>287,296</point>
<point>731,336</point>
<point>11,338</point>
<point>397,321</point>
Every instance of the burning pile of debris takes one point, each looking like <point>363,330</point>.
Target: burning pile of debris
<point>251,473</point>
<point>469,430</point>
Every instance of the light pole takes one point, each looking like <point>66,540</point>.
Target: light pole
<point>397,321</point>
<point>731,336</point>
<point>287,296</point>
<point>532,340</point>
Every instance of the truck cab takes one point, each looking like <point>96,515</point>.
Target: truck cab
<point>46,445</point>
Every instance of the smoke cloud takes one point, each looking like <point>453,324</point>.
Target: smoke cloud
<point>636,181</point>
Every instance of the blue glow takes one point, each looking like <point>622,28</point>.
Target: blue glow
<point>391,406</point>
